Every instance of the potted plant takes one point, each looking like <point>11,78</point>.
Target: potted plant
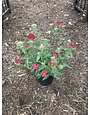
<point>41,57</point>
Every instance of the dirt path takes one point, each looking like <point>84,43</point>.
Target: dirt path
<point>22,95</point>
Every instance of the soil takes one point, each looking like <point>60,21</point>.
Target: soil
<point>21,93</point>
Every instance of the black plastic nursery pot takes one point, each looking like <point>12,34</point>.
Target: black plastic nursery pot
<point>45,82</point>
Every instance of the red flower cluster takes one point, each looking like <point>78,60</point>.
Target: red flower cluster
<point>43,73</point>
<point>54,54</point>
<point>35,66</point>
<point>17,60</point>
<point>72,44</point>
<point>58,22</point>
<point>31,36</point>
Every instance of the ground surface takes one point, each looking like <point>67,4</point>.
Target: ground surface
<point>22,94</point>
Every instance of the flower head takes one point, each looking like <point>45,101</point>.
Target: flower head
<point>72,44</point>
<point>55,55</point>
<point>35,66</point>
<point>53,62</point>
<point>19,45</point>
<point>58,22</point>
<point>34,25</point>
<point>31,36</point>
<point>17,61</point>
<point>43,73</point>
<point>53,51</point>
<point>51,24</point>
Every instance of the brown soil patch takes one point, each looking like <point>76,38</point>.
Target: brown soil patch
<point>22,94</point>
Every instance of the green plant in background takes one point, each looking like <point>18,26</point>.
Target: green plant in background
<point>40,57</point>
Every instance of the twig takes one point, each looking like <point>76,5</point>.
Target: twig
<point>22,75</point>
<point>71,109</point>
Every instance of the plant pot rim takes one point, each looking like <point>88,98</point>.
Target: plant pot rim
<point>45,82</point>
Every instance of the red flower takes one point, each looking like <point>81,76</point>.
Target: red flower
<point>58,22</point>
<point>72,44</point>
<point>17,60</point>
<point>55,55</point>
<point>35,66</point>
<point>31,36</point>
<point>26,46</point>
<point>53,51</point>
<point>43,73</point>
